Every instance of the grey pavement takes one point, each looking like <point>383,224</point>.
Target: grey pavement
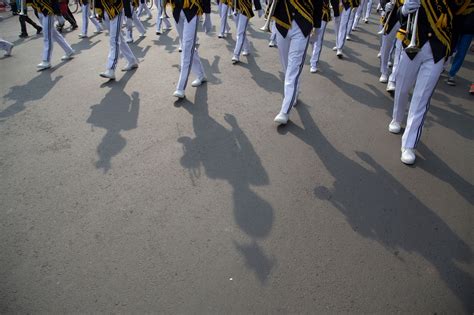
<point>114,198</point>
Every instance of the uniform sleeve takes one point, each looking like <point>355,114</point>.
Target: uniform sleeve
<point>317,13</point>
<point>257,5</point>
<point>206,6</point>
<point>127,8</point>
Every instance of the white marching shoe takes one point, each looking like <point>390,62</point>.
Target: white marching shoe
<point>313,69</point>
<point>68,56</point>
<point>43,65</point>
<point>334,48</point>
<point>281,118</point>
<point>348,37</point>
<point>383,78</point>
<point>108,74</point>
<point>198,81</point>
<point>394,127</point>
<point>235,59</point>
<point>339,53</point>
<point>379,55</point>
<point>8,52</point>
<point>82,35</point>
<point>130,66</point>
<point>179,94</point>
<point>221,35</point>
<point>245,53</point>
<point>272,44</point>
<point>408,156</point>
<point>391,86</point>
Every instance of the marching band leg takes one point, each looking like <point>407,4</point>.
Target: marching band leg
<point>407,69</point>
<point>358,14</point>
<point>295,45</point>
<point>341,36</point>
<point>317,47</point>
<point>350,23</point>
<point>47,22</point>
<point>223,14</point>
<point>159,20</point>
<point>387,44</point>
<point>85,20</point>
<point>426,80</point>
<point>114,41</point>
<point>189,55</point>
<point>396,60</point>
<point>138,24</point>
<point>58,38</point>
<point>7,46</point>
<point>241,43</point>
<point>367,11</point>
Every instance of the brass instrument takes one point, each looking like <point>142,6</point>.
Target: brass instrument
<point>22,7</point>
<point>270,13</point>
<point>386,18</point>
<point>412,27</point>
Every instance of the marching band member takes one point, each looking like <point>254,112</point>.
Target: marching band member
<point>319,36</point>
<point>24,18</point>
<point>367,4</point>
<point>136,21</point>
<point>47,9</point>
<point>223,12</point>
<point>347,16</point>
<point>186,15</point>
<point>7,46</point>
<point>390,29</point>
<point>336,9</point>
<point>422,69</point>
<point>142,7</point>
<point>243,13</point>
<point>161,17</point>
<point>85,19</point>
<point>294,21</point>
<point>113,14</point>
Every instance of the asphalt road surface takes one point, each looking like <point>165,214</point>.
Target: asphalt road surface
<point>115,198</point>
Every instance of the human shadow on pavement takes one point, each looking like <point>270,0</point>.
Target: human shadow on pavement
<point>34,90</point>
<point>373,98</point>
<point>212,69</point>
<point>170,44</point>
<point>226,153</point>
<point>84,44</point>
<point>379,207</point>
<point>266,80</point>
<point>435,166</point>
<point>117,112</point>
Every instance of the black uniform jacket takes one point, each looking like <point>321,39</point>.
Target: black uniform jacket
<point>191,8</point>
<point>306,13</point>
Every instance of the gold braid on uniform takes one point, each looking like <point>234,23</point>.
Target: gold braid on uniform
<point>326,12</point>
<point>190,4</point>
<point>245,7</point>
<point>112,8</point>
<point>286,23</point>
<point>41,5</point>
<point>304,8</point>
<point>439,15</point>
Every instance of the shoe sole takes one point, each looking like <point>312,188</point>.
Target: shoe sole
<point>106,77</point>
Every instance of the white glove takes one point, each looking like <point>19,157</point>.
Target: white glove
<point>207,23</point>
<point>260,13</point>
<point>410,6</point>
<point>388,7</point>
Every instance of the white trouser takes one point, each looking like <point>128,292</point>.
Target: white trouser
<point>242,42</point>
<point>141,7</point>
<point>396,60</point>
<point>274,32</point>
<point>159,13</point>
<point>351,20</point>
<point>223,11</point>
<point>388,40</point>
<point>337,26</point>
<point>5,45</point>
<point>190,60</point>
<point>117,43</point>
<point>369,8</point>
<point>50,34</point>
<point>318,44</point>
<point>423,73</point>
<point>358,13</point>
<point>343,28</point>
<point>292,49</point>
<point>138,24</point>
<point>85,20</point>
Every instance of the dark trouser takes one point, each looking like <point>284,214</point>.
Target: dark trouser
<point>26,19</point>
<point>70,17</point>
